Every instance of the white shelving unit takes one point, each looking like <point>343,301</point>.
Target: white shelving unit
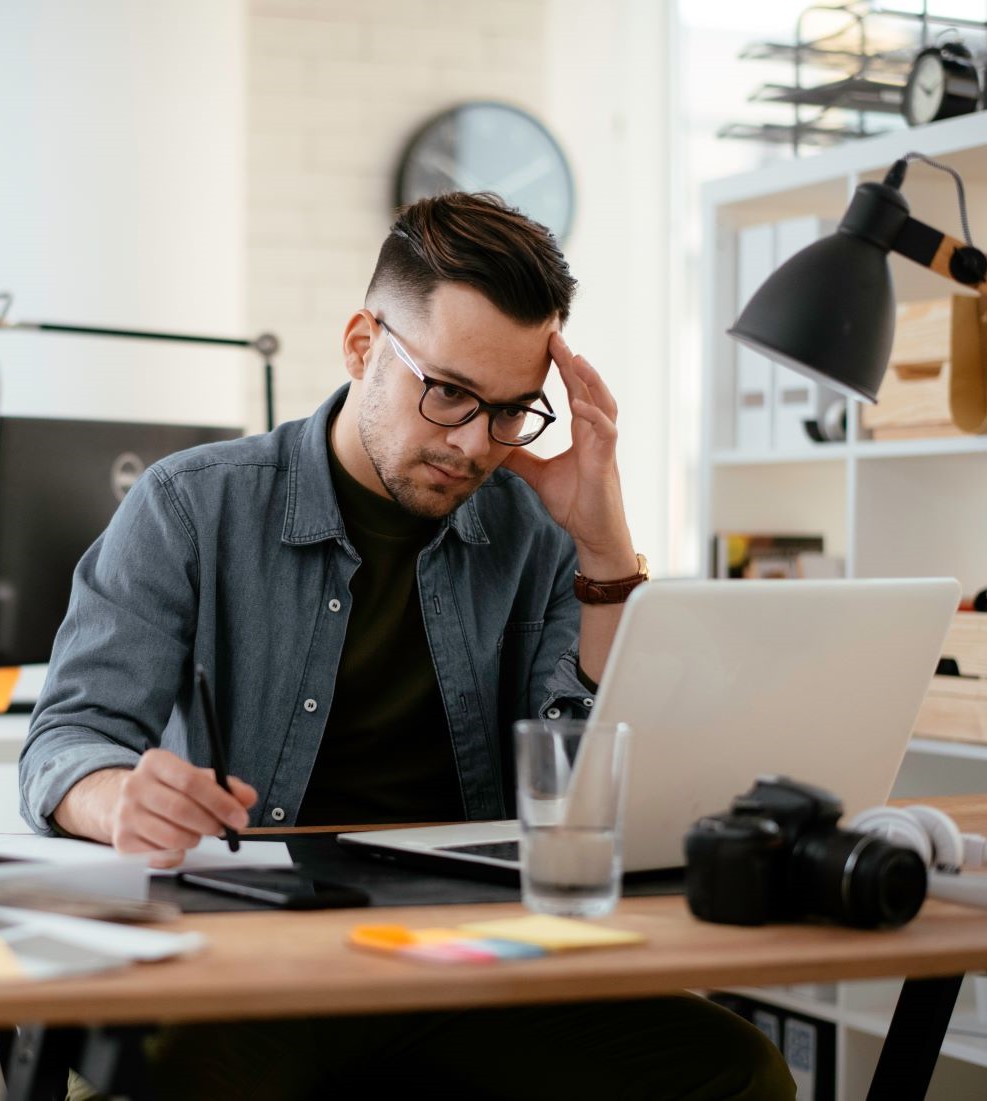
<point>893,508</point>
<point>901,508</point>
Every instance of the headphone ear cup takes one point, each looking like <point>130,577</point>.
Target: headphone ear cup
<point>947,841</point>
<point>897,826</point>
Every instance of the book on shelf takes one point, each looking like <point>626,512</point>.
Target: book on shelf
<point>772,555</point>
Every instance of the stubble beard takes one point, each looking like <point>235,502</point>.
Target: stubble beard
<point>432,501</point>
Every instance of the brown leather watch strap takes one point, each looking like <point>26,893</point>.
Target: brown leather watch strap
<point>589,591</point>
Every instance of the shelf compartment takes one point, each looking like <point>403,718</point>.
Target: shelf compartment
<point>923,515</point>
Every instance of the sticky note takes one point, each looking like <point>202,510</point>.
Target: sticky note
<point>8,682</point>
<point>394,937</point>
<point>439,945</point>
<point>463,950</point>
<point>553,933</point>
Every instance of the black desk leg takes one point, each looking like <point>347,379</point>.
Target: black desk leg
<point>6,1046</point>
<point>914,1038</point>
<point>111,1059</point>
<point>37,1068</point>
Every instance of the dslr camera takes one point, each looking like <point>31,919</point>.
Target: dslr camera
<point>778,855</point>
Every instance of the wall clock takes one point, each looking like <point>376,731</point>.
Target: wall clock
<point>488,146</point>
<point>943,82</point>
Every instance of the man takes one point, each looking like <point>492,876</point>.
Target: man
<point>377,593</point>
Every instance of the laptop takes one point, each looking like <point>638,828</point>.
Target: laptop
<point>725,681</point>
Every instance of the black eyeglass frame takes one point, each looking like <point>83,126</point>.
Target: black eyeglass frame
<point>491,408</point>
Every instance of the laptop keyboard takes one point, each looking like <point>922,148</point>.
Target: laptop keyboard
<point>497,850</point>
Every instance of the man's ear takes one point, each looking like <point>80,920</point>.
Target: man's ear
<point>357,341</point>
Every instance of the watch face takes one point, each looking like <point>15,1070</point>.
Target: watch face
<point>490,147</point>
<point>925,89</point>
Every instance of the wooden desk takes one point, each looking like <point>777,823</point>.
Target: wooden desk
<point>281,964</point>
<point>291,964</point>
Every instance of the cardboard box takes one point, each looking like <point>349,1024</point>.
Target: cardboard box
<point>935,341</point>
<point>955,708</point>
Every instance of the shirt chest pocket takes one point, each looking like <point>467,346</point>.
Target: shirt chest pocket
<point>517,650</point>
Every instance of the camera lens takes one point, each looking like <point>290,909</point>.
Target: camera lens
<point>857,879</point>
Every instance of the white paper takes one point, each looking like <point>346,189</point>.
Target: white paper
<point>213,852</point>
<point>57,850</point>
<point>124,942</point>
<point>83,866</point>
<point>100,870</point>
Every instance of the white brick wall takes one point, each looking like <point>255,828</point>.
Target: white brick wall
<point>335,89</point>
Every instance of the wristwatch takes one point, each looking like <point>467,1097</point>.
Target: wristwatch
<point>589,591</point>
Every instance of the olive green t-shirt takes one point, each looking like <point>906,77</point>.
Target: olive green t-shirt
<point>386,754</point>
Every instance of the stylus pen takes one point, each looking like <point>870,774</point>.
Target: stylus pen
<point>230,835</point>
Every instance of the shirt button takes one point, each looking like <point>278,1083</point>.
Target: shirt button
<point>310,705</point>
<point>278,814</point>
<point>588,702</point>
<point>334,605</point>
<point>553,713</point>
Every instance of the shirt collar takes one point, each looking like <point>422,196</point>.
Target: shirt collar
<point>311,509</point>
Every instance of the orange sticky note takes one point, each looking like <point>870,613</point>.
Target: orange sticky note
<point>395,937</point>
<point>8,681</point>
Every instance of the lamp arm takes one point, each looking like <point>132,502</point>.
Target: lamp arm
<point>266,344</point>
<point>946,256</point>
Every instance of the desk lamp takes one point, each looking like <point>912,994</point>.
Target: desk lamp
<point>829,311</point>
<point>267,344</point>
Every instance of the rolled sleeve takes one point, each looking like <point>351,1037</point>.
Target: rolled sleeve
<point>568,696</point>
<point>59,762</point>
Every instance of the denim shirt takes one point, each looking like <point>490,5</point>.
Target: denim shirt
<point>234,556</point>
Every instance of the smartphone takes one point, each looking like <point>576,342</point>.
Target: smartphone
<point>291,888</point>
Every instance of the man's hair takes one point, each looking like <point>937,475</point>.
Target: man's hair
<point>478,240</point>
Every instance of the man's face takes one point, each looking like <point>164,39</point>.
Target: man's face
<point>463,339</point>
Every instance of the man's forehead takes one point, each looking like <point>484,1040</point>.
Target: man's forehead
<point>498,375</point>
<point>499,364</point>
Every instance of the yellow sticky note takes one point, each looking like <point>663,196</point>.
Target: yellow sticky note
<point>9,967</point>
<point>554,933</point>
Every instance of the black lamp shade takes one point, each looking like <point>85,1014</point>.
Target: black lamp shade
<point>829,313</point>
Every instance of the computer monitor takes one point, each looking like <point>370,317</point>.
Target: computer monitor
<point>60,482</point>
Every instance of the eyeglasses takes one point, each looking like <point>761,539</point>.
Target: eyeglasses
<point>449,405</point>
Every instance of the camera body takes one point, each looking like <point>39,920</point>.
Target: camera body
<point>778,855</point>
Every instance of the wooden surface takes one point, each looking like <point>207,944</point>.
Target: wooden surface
<point>955,708</point>
<point>275,964</point>
<point>288,964</point>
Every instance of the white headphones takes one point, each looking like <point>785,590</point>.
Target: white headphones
<point>939,842</point>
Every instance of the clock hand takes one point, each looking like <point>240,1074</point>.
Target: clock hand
<point>454,172</point>
<point>523,177</point>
